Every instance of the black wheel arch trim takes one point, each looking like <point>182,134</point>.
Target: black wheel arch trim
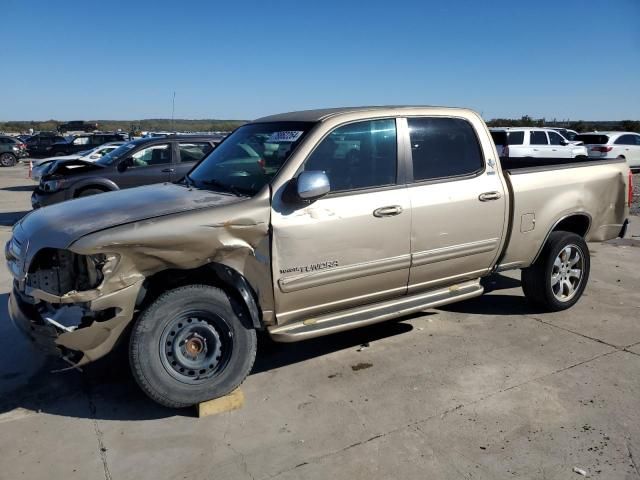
<point>558,222</point>
<point>213,274</point>
<point>235,280</point>
<point>91,182</point>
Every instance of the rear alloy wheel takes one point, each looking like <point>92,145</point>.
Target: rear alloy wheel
<point>190,345</point>
<point>7,160</point>
<point>559,276</point>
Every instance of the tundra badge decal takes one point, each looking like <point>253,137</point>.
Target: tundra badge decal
<point>314,267</point>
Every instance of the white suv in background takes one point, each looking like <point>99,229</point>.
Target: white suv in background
<point>526,142</point>
<point>613,145</point>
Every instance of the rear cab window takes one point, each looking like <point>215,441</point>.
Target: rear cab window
<point>443,147</point>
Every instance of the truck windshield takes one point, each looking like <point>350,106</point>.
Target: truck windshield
<point>249,158</point>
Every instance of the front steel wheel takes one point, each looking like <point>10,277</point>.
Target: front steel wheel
<point>191,345</point>
<point>559,276</point>
<point>195,347</point>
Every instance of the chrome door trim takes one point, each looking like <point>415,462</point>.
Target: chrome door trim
<point>348,272</point>
<point>454,251</point>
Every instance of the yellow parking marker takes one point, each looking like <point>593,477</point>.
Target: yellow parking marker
<point>232,401</point>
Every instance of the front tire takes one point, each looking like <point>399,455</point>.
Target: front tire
<point>559,276</point>
<point>190,346</point>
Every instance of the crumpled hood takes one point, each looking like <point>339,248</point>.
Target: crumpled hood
<point>59,225</point>
<point>71,166</point>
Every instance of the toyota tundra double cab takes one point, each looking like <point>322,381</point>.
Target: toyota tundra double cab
<point>303,224</point>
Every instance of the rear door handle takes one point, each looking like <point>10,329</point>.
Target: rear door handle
<point>168,170</point>
<point>488,196</point>
<point>389,211</point>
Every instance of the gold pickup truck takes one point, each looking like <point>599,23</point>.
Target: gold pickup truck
<point>304,224</point>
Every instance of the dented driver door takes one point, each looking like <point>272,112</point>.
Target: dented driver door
<point>351,247</point>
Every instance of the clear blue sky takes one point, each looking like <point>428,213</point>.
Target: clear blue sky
<point>577,59</point>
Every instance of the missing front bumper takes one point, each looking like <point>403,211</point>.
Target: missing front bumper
<point>81,345</point>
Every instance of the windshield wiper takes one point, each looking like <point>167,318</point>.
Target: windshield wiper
<point>224,187</point>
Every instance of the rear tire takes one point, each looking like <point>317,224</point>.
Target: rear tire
<point>8,160</point>
<point>190,346</point>
<point>559,276</point>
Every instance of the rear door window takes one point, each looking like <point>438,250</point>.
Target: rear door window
<point>516,138</point>
<point>193,151</point>
<point>443,147</point>
<point>538,138</point>
<point>154,155</point>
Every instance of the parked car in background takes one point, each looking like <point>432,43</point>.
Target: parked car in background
<point>613,145</point>
<point>40,143</point>
<point>11,150</point>
<point>42,165</point>
<point>302,241</point>
<point>77,126</point>
<point>566,133</point>
<point>24,138</point>
<point>79,143</point>
<point>140,162</point>
<point>529,142</point>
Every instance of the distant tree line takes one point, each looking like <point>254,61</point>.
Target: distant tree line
<point>577,125</point>
<point>210,125</point>
<point>151,124</point>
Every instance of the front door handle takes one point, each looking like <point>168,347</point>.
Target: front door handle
<point>168,170</point>
<point>487,196</point>
<point>389,211</point>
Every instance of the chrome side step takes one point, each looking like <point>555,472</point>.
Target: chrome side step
<point>377,312</point>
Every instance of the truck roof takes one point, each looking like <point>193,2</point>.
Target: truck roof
<point>319,115</point>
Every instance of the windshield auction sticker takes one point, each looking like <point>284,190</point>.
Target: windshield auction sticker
<point>288,136</point>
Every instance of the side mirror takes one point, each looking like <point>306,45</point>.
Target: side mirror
<point>564,142</point>
<point>307,187</point>
<point>126,163</point>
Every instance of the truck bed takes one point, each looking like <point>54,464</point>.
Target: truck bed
<point>543,192</point>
